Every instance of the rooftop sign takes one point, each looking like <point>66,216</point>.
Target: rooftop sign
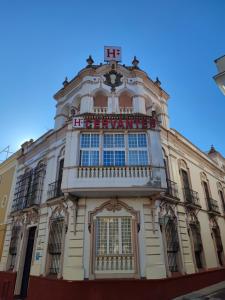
<point>114,122</point>
<point>112,53</point>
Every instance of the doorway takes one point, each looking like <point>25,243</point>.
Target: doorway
<point>27,262</point>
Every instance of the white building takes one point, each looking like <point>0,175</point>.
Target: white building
<point>220,77</point>
<point>113,191</point>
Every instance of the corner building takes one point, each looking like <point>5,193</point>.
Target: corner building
<point>112,191</point>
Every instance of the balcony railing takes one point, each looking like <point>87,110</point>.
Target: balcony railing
<point>191,197</point>
<point>126,110</point>
<point>112,171</point>
<point>114,263</point>
<point>26,201</point>
<point>172,190</point>
<point>100,110</point>
<point>54,190</point>
<point>213,205</point>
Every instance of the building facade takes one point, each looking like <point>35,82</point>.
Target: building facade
<point>112,191</point>
<point>220,77</point>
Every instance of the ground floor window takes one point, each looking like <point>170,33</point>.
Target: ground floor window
<point>114,244</point>
<point>197,244</point>
<point>13,247</point>
<point>219,245</point>
<point>55,245</point>
<point>172,243</point>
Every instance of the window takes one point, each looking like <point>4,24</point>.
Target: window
<point>172,243</point>
<point>197,244</point>
<point>222,199</point>
<point>89,153</point>
<point>218,244</point>
<point>114,249</point>
<point>55,244</point>
<point>137,154</point>
<point>114,150</point>
<point>13,246</point>
<point>117,149</point>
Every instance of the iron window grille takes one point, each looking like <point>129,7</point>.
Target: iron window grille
<point>55,244</point>
<point>172,243</point>
<point>172,189</point>
<point>28,189</point>
<point>222,199</point>
<point>197,244</point>
<point>14,246</point>
<point>219,245</point>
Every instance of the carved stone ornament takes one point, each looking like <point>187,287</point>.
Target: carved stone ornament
<point>113,79</point>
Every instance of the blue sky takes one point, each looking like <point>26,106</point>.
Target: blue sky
<point>44,41</point>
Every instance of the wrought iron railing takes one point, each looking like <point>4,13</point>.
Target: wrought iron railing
<point>213,205</point>
<point>54,190</point>
<point>172,190</point>
<point>191,197</point>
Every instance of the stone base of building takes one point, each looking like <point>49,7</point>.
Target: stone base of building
<point>157,289</point>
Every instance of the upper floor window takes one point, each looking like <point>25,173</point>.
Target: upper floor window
<point>100,100</point>
<point>113,149</point>
<point>125,103</point>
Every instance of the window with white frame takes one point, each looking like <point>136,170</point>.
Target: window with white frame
<point>89,149</point>
<point>137,153</point>
<point>113,246</point>
<point>113,149</point>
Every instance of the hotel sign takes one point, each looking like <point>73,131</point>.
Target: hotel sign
<point>112,53</point>
<point>114,122</point>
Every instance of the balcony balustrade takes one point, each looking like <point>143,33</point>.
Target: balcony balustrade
<point>100,110</point>
<point>191,197</point>
<point>115,180</point>
<point>54,190</point>
<point>126,110</point>
<point>113,263</point>
<point>213,205</point>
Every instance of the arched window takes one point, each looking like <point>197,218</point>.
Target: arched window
<point>168,222</point>
<point>37,183</point>
<point>221,195</point>
<point>58,226</point>
<point>60,171</point>
<point>100,102</point>
<point>13,247</point>
<point>114,238</point>
<point>196,240</point>
<point>217,241</point>
<point>125,102</point>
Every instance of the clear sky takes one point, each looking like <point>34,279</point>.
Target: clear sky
<point>176,40</point>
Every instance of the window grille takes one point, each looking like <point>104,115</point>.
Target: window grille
<point>55,244</point>
<point>172,243</point>
<point>219,245</point>
<point>197,244</point>
<point>28,189</point>
<point>13,246</point>
<point>114,248</point>
<point>222,199</point>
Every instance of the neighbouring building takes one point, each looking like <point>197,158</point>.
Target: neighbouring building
<point>112,191</point>
<point>220,77</point>
<point>7,178</point>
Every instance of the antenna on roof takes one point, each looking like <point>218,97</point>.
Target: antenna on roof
<point>5,153</point>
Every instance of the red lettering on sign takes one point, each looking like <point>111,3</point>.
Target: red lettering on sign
<point>96,124</point>
<point>144,123</point>
<point>152,122</point>
<point>112,53</point>
<point>120,124</point>
<point>88,123</point>
<point>137,123</point>
<point>105,123</point>
<point>113,123</point>
<point>129,124</point>
<point>77,122</point>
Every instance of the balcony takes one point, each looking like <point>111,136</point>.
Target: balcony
<point>172,190</point>
<point>104,181</point>
<point>191,197</point>
<point>24,202</point>
<point>54,190</point>
<point>213,206</point>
